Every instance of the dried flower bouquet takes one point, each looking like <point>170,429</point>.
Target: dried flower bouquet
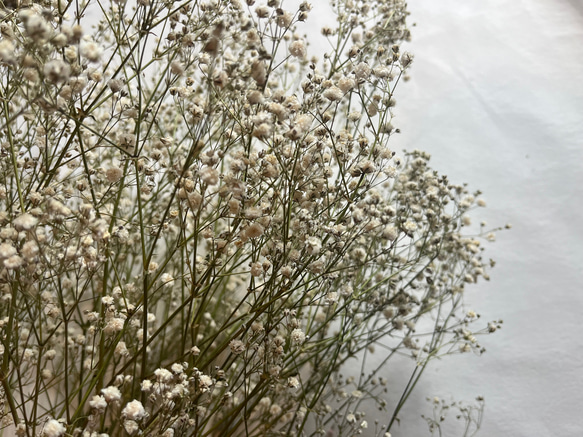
<point>202,225</point>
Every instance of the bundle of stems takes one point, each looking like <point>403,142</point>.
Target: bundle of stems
<point>203,226</point>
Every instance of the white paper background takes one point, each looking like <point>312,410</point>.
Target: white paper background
<point>496,97</point>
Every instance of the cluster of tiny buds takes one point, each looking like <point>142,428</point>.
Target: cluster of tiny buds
<point>199,215</point>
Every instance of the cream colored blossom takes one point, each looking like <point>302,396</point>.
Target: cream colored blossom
<point>237,347</point>
<point>53,428</point>
<point>134,410</point>
<point>298,336</point>
<point>298,48</point>
<point>111,394</point>
<point>333,93</point>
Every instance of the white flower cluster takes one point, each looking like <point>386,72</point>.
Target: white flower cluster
<point>201,222</point>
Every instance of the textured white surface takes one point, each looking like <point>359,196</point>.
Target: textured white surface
<point>496,96</point>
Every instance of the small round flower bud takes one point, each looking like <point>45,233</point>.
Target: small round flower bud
<point>134,410</point>
<point>298,48</point>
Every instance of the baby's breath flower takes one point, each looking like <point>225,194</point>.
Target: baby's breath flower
<point>314,245</point>
<point>56,71</point>
<point>346,84</point>
<point>134,410</point>
<point>254,230</point>
<point>53,428</point>
<point>35,25</point>
<point>177,68</point>
<point>163,375</point>
<point>177,368</point>
<point>262,130</point>
<point>98,403</point>
<point>114,326</point>
<point>111,394</point>
<point>284,19</point>
<point>464,348</point>
<point>131,426</point>
<point>254,97</point>
<point>166,279</point>
<point>205,382</point>
<point>91,50</point>
<point>237,347</point>
<point>331,297</point>
<point>298,48</point>
<point>262,11</point>
<point>362,70</point>
<point>13,262</point>
<point>409,343</point>
<point>114,174</point>
<point>390,233</point>
<point>293,382</point>
<point>410,226</point>
<point>121,349</point>
<point>298,336</point>
<point>333,93</point>
<point>275,410</point>
<point>115,85</point>
<point>406,59</point>
<point>7,52</point>
<point>256,269</point>
<point>7,250</point>
<point>259,72</point>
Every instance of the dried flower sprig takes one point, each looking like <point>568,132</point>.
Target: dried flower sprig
<point>202,225</point>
